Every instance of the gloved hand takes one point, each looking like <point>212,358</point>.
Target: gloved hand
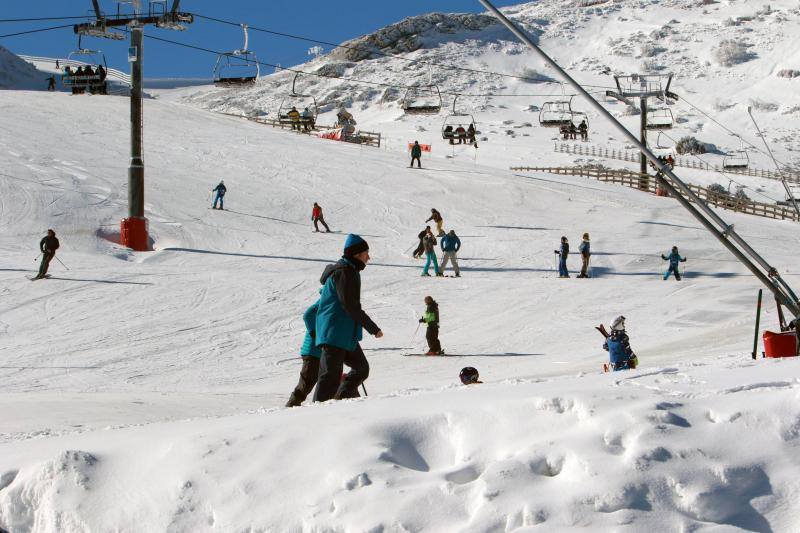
<point>421,320</point>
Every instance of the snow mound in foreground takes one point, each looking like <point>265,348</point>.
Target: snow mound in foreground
<point>671,449</point>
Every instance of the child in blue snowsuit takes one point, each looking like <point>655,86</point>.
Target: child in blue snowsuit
<point>220,190</point>
<point>310,352</point>
<point>620,354</point>
<point>674,258</point>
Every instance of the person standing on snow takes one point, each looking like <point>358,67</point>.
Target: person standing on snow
<point>310,353</point>
<point>673,258</point>
<point>339,324</point>
<point>429,244</point>
<point>431,318</point>
<point>421,246</point>
<point>48,246</point>
<point>437,217</point>
<point>220,190</point>
<point>585,250</point>
<point>451,244</point>
<point>562,260</point>
<point>51,83</point>
<point>416,153</point>
<point>316,216</point>
<point>618,346</point>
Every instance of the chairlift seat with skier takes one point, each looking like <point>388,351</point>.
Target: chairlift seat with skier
<point>238,67</point>
<point>457,121</point>
<point>299,102</point>
<point>81,59</point>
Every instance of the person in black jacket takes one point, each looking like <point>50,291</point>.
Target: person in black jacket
<point>421,246</point>
<point>48,245</point>
<point>431,318</point>
<point>416,153</point>
<point>563,253</point>
<point>220,189</point>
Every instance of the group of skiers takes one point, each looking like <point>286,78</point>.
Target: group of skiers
<point>84,78</point>
<point>563,253</point>
<point>569,131</point>
<point>463,135</point>
<point>450,244</point>
<point>298,119</point>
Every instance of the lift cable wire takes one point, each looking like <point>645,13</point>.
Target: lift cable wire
<point>343,78</point>
<point>39,19</point>
<point>384,54</point>
<point>36,31</point>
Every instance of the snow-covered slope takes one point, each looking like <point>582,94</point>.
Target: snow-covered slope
<point>18,74</point>
<point>143,391</point>
<point>726,56</point>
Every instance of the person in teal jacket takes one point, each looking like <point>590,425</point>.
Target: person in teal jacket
<point>310,353</point>
<point>339,324</point>
<point>673,258</point>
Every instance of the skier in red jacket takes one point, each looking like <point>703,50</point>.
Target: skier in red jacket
<point>316,216</point>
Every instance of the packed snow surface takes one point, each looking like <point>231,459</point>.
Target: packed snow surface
<point>144,391</point>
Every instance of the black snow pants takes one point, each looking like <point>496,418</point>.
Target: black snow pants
<point>321,220</point>
<point>432,336</point>
<point>330,384</point>
<point>419,165</point>
<point>309,374</point>
<point>46,258</point>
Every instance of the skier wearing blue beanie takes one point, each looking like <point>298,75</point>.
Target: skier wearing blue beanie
<point>340,320</point>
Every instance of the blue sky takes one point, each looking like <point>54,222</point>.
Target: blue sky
<point>320,19</point>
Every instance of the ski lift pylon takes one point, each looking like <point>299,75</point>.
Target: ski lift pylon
<point>238,67</point>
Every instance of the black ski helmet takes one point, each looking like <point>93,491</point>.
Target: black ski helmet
<point>468,375</point>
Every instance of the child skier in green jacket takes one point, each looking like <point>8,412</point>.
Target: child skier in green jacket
<point>431,318</point>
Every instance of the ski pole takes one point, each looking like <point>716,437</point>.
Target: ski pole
<point>365,389</point>
<point>62,263</point>
<point>37,257</point>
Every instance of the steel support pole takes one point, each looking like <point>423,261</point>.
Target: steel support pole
<point>725,233</point>
<point>643,134</point>
<point>136,168</point>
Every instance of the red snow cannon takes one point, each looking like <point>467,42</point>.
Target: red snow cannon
<point>783,344</point>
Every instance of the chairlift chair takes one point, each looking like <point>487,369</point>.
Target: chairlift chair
<point>556,114</point>
<point>422,100</point>
<point>238,67</point>
<point>736,159</point>
<point>661,148</point>
<point>83,57</point>
<point>455,120</point>
<point>298,101</point>
<point>660,119</point>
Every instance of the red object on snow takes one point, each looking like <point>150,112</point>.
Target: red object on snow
<point>133,233</point>
<point>661,192</point>
<point>423,147</point>
<point>782,344</point>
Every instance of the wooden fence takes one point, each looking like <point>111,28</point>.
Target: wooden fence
<point>632,156</point>
<point>649,183</point>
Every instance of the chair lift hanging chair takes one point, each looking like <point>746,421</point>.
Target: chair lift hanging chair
<point>83,57</point>
<point>556,113</point>
<point>238,67</point>
<point>423,99</point>
<point>455,120</point>
<point>736,158</point>
<point>661,148</point>
<point>299,102</point>
<point>660,119</point>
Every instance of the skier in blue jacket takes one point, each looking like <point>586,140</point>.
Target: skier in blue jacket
<point>339,324</point>
<point>451,244</point>
<point>310,353</point>
<point>673,258</point>
<point>618,346</point>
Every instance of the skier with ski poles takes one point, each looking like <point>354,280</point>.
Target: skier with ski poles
<point>674,258</point>
<point>585,250</point>
<point>48,246</point>
<point>310,354</point>
<point>339,324</point>
<point>431,318</point>
<point>316,216</point>
<point>563,253</point>
<point>220,189</point>
<point>618,346</point>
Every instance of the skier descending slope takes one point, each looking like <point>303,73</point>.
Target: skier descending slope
<point>618,346</point>
<point>220,189</point>
<point>339,324</point>
<point>431,318</point>
<point>48,246</point>
<point>416,153</point>
<point>673,258</point>
<point>310,353</point>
